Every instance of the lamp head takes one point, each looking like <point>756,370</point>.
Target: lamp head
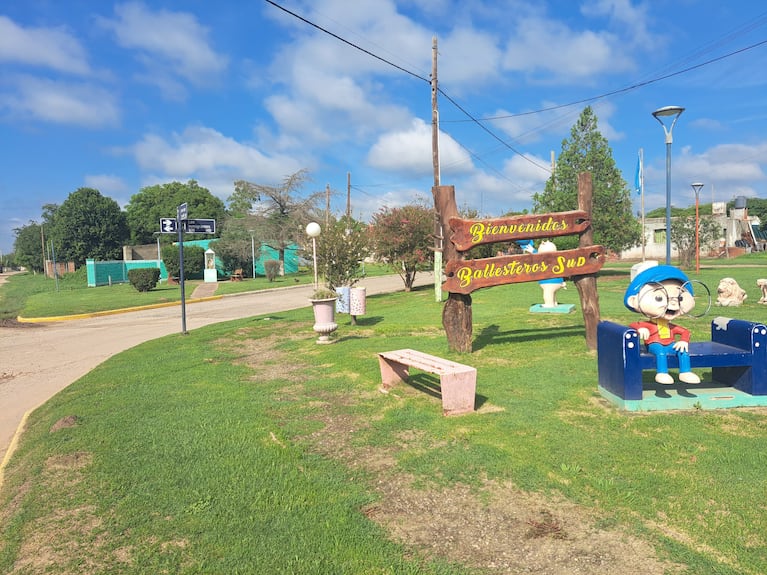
<point>313,229</point>
<point>696,186</point>
<point>668,111</point>
<point>665,112</point>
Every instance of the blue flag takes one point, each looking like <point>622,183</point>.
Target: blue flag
<point>638,179</point>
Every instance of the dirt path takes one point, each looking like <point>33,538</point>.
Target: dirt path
<point>39,360</point>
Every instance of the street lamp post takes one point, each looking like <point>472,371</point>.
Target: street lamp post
<point>313,231</point>
<point>253,252</point>
<point>157,237</point>
<point>672,112</point>
<point>696,187</point>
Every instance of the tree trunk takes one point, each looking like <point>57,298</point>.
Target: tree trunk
<point>457,321</point>
<point>456,314</point>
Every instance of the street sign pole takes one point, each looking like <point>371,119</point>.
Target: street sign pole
<point>181,217</point>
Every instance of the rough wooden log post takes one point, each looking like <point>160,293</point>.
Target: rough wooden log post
<point>456,313</point>
<point>587,284</point>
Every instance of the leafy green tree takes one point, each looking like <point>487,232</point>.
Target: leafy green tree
<point>683,236</point>
<point>403,237</point>
<point>88,225</point>
<point>279,213</point>
<point>587,151</point>
<point>27,247</point>
<point>194,260</point>
<point>341,250</point>
<point>676,212</point>
<point>150,204</point>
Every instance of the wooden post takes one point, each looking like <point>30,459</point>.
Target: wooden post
<point>439,229</point>
<point>587,284</point>
<point>456,314</point>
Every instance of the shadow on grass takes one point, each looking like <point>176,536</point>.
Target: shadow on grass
<point>429,384</point>
<point>369,320</point>
<point>493,334</point>
<point>706,386</point>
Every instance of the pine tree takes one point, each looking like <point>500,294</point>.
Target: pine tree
<point>587,151</point>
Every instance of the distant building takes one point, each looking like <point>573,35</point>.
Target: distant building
<point>740,234</point>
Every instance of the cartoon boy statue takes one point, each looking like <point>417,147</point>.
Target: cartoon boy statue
<point>663,293</point>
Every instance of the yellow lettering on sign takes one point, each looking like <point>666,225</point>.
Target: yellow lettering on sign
<point>481,230</point>
<point>563,264</point>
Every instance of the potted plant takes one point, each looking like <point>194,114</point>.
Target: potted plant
<point>342,250</point>
<point>324,307</point>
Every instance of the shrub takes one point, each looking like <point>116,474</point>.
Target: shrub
<point>271,269</point>
<point>194,260</point>
<point>341,249</point>
<point>144,279</point>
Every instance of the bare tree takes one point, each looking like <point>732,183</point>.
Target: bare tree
<point>280,214</point>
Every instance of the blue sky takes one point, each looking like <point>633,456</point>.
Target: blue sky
<point>118,96</point>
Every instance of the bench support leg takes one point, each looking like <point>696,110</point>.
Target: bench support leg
<point>392,372</point>
<point>458,392</point>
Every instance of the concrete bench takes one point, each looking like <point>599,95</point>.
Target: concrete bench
<point>458,382</point>
<point>737,354</point>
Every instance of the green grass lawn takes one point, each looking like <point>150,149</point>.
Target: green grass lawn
<point>250,449</point>
<point>35,296</point>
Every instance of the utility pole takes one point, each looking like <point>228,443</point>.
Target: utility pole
<point>438,232</point>
<point>327,205</point>
<point>553,170</point>
<point>348,195</point>
<point>42,245</point>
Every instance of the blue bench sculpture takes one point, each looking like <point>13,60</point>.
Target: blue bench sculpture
<point>737,354</point>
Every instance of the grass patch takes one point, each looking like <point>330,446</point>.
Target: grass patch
<point>34,296</point>
<point>254,450</point>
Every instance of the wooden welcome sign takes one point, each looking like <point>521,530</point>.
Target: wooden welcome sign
<point>470,233</point>
<point>463,276</point>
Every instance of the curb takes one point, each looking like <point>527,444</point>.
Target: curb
<point>112,311</point>
<point>12,446</point>
<point>21,319</point>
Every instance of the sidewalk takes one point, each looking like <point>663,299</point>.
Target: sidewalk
<point>204,290</point>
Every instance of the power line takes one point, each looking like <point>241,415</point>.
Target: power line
<point>345,41</point>
<point>479,121</point>
<point>620,90</point>
<point>369,53</point>
<point>486,129</point>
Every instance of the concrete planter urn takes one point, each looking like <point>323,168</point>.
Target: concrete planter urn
<point>324,306</point>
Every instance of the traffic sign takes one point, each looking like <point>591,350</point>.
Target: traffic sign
<point>200,226</point>
<point>182,212</point>
<point>168,226</point>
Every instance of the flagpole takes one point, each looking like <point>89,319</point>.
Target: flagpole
<point>641,191</point>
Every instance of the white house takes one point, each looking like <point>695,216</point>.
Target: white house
<point>740,233</point>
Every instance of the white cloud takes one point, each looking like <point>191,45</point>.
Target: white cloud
<point>170,44</point>
<point>206,155</point>
<point>410,151</point>
<point>323,89</point>
<point>548,49</point>
<point>467,59</point>
<point>107,184</point>
<point>61,102</point>
<point>632,18</point>
<point>52,48</point>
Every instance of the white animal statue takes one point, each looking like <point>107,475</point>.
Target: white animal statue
<point>762,283</point>
<point>730,294</point>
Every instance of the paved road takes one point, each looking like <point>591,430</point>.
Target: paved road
<point>39,360</point>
